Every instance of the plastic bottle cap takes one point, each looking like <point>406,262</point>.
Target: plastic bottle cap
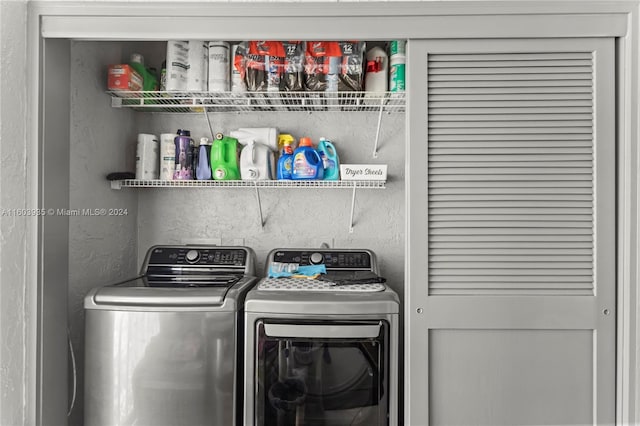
<point>305,141</point>
<point>137,57</point>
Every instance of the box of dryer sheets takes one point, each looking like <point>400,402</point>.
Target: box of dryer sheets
<point>363,172</point>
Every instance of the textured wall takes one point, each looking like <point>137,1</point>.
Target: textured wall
<point>293,217</point>
<point>102,249</point>
<point>13,230</point>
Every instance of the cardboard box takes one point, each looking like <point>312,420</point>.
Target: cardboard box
<point>123,77</point>
<point>376,172</point>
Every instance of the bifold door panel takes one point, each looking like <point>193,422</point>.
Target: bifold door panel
<point>511,232</point>
<point>511,188</point>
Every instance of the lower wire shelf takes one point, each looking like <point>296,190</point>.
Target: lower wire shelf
<point>156,183</point>
<point>257,185</point>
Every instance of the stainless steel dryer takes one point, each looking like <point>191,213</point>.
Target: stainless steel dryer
<point>162,349</point>
<point>322,352</point>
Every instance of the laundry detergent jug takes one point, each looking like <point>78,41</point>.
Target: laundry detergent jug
<point>307,164</point>
<point>330,161</point>
<point>256,162</point>
<point>224,158</point>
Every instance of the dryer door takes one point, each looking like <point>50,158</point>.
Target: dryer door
<point>329,373</point>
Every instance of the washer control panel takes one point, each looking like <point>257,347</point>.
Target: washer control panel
<point>333,259</point>
<point>197,256</point>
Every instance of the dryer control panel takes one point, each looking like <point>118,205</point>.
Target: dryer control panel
<point>361,260</point>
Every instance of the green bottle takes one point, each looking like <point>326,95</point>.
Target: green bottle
<point>149,80</point>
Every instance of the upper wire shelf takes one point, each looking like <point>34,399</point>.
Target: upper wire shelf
<point>198,102</point>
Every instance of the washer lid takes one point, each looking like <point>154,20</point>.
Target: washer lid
<point>139,292</point>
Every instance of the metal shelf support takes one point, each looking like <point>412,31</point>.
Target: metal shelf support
<point>353,206</point>
<point>256,185</point>
<point>259,206</point>
<point>375,146</point>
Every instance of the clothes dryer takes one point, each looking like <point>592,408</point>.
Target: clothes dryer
<point>322,351</point>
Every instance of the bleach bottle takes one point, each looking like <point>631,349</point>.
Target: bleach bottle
<point>224,158</point>
<point>285,163</point>
<point>330,161</point>
<point>307,164</point>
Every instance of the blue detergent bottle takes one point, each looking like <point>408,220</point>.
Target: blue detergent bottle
<point>307,164</point>
<point>330,161</point>
<point>285,163</point>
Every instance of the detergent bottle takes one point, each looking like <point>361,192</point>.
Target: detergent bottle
<point>330,161</point>
<point>307,164</point>
<point>224,158</point>
<point>256,162</point>
<point>203,162</point>
<point>149,80</point>
<point>183,155</point>
<point>285,163</point>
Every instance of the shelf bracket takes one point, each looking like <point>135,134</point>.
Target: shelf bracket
<point>116,184</point>
<point>255,185</point>
<point>375,146</point>
<point>206,114</point>
<point>353,206</point>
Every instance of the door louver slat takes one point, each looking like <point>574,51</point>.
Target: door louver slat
<point>511,173</point>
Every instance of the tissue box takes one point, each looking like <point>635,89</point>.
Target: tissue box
<point>363,172</point>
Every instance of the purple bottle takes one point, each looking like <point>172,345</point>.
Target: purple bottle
<point>184,155</point>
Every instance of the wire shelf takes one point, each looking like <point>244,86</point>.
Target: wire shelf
<point>198,102</point>
<point>136,183</point>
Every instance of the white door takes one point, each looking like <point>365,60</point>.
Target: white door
<point>511,232</point>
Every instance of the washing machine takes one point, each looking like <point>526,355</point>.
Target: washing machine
<point>322,351</point>
<point>163,348</point>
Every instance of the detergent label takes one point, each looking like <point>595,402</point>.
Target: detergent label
<point>301,168</point>
<point>287,166</point>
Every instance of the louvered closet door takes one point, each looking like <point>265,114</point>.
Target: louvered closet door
<point>511,232</point>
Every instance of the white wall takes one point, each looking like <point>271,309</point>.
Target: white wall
<point>14,309</point>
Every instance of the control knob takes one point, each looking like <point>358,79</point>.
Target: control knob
<point>192,256</point>
<point>316,258</point>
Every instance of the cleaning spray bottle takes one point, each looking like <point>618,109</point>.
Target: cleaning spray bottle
<point>330,161</point>
<point>285,163</point>
<point>224,158</point>
<point>307,164</point>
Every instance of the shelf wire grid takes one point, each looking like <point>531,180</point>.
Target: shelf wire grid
<point>198,102</point>
<point>136,183</point>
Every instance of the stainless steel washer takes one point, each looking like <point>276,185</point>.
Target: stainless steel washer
<point>162,349</point>
<point>321,353</point>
